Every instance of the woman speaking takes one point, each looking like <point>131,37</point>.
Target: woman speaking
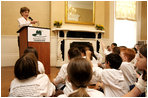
<point>24,20</point>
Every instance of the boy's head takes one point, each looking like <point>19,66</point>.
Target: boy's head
<point>143,50</point>
<point>26,67</point>
<point>127,54</point>
<point>113,45</point>
<point>74,52</point>
<point>116,50</point>
<point>31,50</point>
<point>108,48</point>
<point>113,61</point>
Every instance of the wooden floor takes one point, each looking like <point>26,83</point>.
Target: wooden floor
<point>7,75</point>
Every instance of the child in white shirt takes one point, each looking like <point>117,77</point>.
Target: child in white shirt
<point>141,64</point>
<point>62,75</point>
<point>33,50</point>
<point>79,74</point>
<point>114,84</point>
<point>28,82</point>
<point>127,67</point>
<point>89,47</point>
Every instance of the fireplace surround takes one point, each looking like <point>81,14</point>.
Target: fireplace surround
<point>65,37</point>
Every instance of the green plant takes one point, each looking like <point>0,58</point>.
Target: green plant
<point>99,27</point>
<point>57,23</point>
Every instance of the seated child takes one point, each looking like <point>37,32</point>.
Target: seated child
<point>28,82</point>
<point>33,50</point>
<point>107,51</point>
<point>116,50</point>
<point>141,64</point>
<point>79,74</point>
<point>89,47</point>
<point>62,75</point>
<point>127,67</point>
<point>114,84</point>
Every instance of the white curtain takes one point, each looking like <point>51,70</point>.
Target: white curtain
<point>126,10</point>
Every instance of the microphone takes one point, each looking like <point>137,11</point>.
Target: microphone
<point>30,18</point>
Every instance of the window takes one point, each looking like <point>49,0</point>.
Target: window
<point>125,26</point>
<point>125,10</point>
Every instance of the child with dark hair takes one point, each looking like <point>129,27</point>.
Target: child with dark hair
<point>79,74</point>
<point>113,45</point>
<point>136,48</point>
<point>28,82</point>
<point>114,84</point>
<point>62,75</point>
<point>141,85</point>
<point>34,51</point>
<point>88,47</point>
<point>95,56</point>
<point>127,67</point>
<point>116,50</point>
<point>113,61</point>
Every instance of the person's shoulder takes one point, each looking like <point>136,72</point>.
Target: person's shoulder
<point>21,18</point>
<point>42,76</point>
<point>15,81</point>
<point>111,71</point>
<point>126,65</point>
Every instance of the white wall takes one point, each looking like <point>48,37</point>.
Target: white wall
<point>9,50</point>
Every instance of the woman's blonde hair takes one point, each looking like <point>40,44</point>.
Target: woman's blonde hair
<point>79,73</point>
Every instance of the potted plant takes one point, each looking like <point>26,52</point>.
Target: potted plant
<point>99,27</point>
<point>57,24</point>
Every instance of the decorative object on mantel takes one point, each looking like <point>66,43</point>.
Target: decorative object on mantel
<point>57,24</point>
<point>99,27</point>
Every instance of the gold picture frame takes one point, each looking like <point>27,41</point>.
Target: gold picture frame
<point>73,20</point>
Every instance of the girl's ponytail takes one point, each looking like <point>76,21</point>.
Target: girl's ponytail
<point>81,92</point>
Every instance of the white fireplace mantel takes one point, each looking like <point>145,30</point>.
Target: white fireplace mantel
<point>80,29</point>
<point>68,40</point>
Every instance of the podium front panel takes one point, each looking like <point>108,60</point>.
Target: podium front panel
<point>43,53</point>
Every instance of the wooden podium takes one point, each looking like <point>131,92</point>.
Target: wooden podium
<point>38,38</point>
